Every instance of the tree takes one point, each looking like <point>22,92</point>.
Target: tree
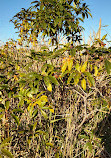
<point>52,18</point>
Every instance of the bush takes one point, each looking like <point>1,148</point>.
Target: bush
<point>52,102</point>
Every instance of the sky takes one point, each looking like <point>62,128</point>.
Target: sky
<point>99,9</point>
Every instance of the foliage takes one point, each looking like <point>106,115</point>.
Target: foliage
<point>52,101</point>
<point>51,18</point>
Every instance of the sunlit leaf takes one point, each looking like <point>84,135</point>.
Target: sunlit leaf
<point>41,101</point>
<point>49,41</point>
<point>95,70</point>
<point>77,67</point>
<point>51,110</point>
<point>83,84</point>
<point>70,64</point>
<point>83,67</point>
<point>29,94</point>
<point>44,114</point>
<point>76,78</point>
<point>104,37</point>
<point>49,87</point>
<point>90,78</point>
<point>50,144</point>
<point>64,67</point>
<point>48,84</point>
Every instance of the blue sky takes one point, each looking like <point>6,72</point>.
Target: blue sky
<point>8,8</point>
<point>99,9</point>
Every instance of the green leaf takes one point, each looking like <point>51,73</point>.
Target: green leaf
<point>18,110</point>
<point>40,132</point>
<point>7,153</point>
<point>5,141</point>
<point>44,114</point>
<point>34,126</point>
<point>76,78</point>
<point>90,78</point>
<point>7,103</point>
<point>16,119</point>
<point>1,116</point>
<point>43,69</point>
<point>47,83</point>
<point>53,80</point>
<point>50,144</point>
<point>35,113</point>
<point>89,146</point>
<point>108,66</point>
<point>84,137</point>
<point>57,155</point>
<point>29,94</point>
<point>52,121</point>
<point>70,77</point>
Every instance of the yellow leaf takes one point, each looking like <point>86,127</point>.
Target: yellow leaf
<point>76,79</point>
<point>96,70</point>
<point>104,37</point>
<point>21,30</point>
<point>19,40</point>
<point>83,84</point>
<point>108,106</point>
<point>51,110</point>
<point>77,67</point>
<point>41,101</point>
<point>50,144</point>
<point>49,41</point>
<point>64,67</point>
<point>49,87</point>
<point>91,67</point>
<point>25,26</point>
<point>83,68</point>
<point>33,43</point>
<point>70,64</point>
<point>44,73</point>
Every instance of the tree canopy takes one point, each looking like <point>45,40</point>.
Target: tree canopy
<point>51,18</point>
